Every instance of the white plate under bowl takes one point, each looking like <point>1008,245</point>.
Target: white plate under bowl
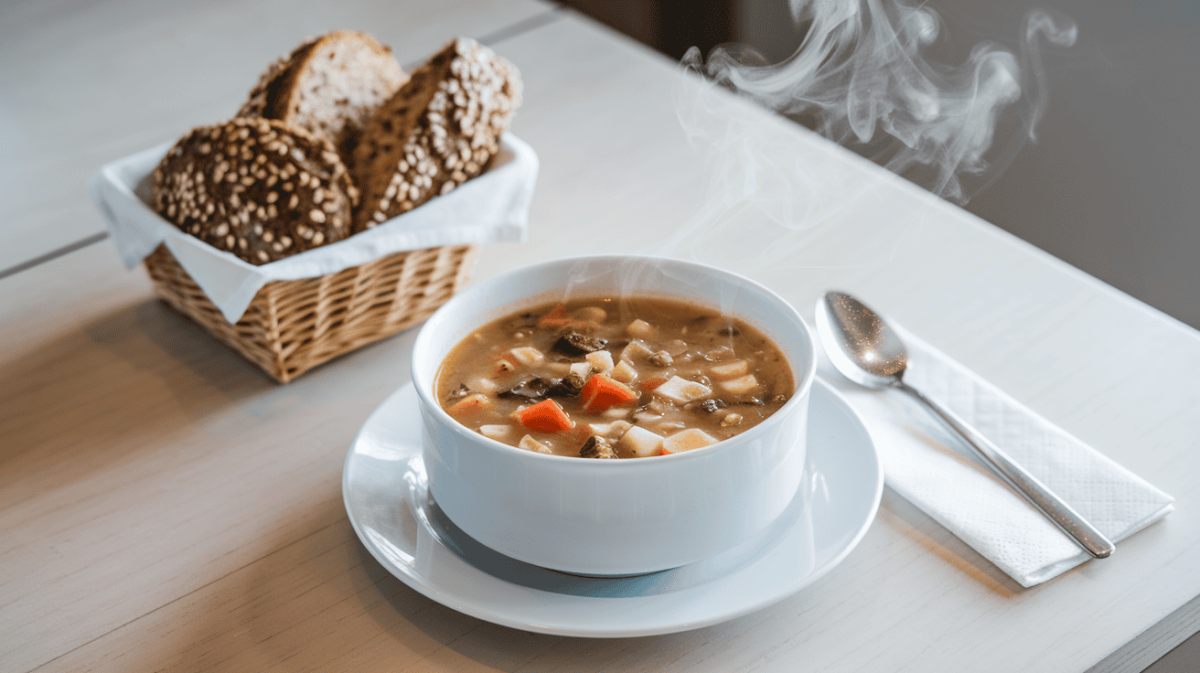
<point>387,499</point>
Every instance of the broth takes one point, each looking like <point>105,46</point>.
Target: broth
<point>609,378</point>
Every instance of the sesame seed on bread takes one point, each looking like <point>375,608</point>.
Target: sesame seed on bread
<point>328,86</point>
<point>257,188</point>
<point>439,130</point>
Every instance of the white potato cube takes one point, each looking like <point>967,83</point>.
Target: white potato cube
<point>601,361</point>
<point>741,386</point>
<point>683,391</point>
<point>609,429</point>
<point>731,370</point>
<point>483,385</point>
<point>617,412</point>
<point>530,444</point>
<point>636,351</point>
<point>687,440</point>
<point>624,372</point>
<point>640,441</point>
<point>496,432</point>
<point>582,369</point>
<point>527,355</point>
<point>469,404</point>
<point>641,329</point>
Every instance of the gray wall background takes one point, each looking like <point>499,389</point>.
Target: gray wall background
<point>1113,185</point>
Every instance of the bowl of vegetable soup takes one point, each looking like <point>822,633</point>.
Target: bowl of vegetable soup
<point>614,415</point>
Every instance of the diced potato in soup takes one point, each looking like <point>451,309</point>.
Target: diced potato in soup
<point>731,370</point>
<point>686,440</point>
<point>601,361</point>
<point>602,376</point>
<point>683,391</point>
<point>624,372</point>
<point>640,441</point>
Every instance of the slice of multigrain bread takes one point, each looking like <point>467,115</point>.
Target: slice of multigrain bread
<point>438,131</point>
<point>329,86</point>
<point>257,188</point>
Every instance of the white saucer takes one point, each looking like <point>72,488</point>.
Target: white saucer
<point>386,496</point>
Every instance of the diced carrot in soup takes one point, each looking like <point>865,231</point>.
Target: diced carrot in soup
<point>545,416</point>
<point>601,393</point>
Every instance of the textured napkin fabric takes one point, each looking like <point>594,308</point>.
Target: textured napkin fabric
<point>933,469</point>
<point>492,207</point>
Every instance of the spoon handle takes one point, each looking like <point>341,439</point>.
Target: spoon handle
<point>1038,495</point>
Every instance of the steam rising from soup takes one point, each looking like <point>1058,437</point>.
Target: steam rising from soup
<point>863,78</point>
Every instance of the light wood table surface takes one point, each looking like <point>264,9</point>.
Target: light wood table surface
<point>166,507</point>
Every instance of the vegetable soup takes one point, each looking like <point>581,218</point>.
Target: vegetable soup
<point>614,378</point>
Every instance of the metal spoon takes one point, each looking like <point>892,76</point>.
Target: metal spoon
<point>868,352</point>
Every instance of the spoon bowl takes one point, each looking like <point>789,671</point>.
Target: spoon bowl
<point>862,346</point>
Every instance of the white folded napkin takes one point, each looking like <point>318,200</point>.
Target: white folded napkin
<point>931,468</point>
<point>492,207</point>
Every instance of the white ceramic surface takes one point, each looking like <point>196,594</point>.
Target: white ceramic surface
<point>617,517</point>
<point>387,500</point>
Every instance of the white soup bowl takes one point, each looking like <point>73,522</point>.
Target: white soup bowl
<point>614,517</point>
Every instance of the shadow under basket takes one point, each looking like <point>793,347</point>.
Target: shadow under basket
<point>292,326</point>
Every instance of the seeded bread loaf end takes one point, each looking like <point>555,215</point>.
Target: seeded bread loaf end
<point>328,86</point>
<point>257,188</point>
<point>438,131</point>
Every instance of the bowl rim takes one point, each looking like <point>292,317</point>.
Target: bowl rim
<point>804,382</point>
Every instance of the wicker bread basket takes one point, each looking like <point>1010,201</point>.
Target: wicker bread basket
<point>375,283</point>
<point>294,325</point>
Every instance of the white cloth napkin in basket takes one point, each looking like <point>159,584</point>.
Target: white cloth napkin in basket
<point>492,207</point>
<point>931,468</point>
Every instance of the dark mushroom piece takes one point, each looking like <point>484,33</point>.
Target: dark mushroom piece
<point>573,342</point>
<point>597,447</point>
<point>528,387</point>
<point>568,386</point>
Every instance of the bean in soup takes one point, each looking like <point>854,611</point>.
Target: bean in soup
<point>609,378</point>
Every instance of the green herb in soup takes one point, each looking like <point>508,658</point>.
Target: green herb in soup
<point>607,378</point>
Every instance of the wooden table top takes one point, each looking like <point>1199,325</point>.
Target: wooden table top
<point>165,506</point>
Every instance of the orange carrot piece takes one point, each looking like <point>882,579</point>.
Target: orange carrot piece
<point>545,416</point>
<point>601,392</point>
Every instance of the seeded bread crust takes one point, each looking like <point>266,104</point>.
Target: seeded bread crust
<point>438,131</point>
<point>328,86</point>
<point>257,188</point>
